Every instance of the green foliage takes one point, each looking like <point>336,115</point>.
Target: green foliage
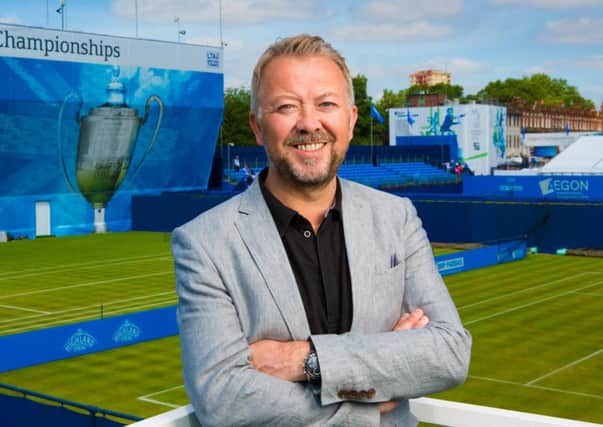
<point>450,91</point>
<point>538,88</point>
<point>391,99</point>
<point>362,131</point>
<point>235,127</point>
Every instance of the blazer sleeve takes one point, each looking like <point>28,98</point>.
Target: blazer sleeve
<point>401,364</point>
<point>220,381</point>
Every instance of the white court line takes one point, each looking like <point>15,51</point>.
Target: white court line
<point>98,282</point>
<point>569,365</point>
<point>24,309</point>
<point>77,264</point>
<point>557,390</point>
<point>67,320</point>
<point>49,270</point>
<point>524,290</point>
<point>163,391</point>
<point>159,402</point>
<point>145,398</point>
<point>85,307</point>
<point>500,313</point>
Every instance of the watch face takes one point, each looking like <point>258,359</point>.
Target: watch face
<point>311,367</point>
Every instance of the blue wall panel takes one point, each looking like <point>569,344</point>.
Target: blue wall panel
<point>541,187</point>
<point>45,345</point>
<point>481,257</point>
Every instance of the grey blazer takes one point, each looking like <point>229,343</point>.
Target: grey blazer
<point>235,286</point>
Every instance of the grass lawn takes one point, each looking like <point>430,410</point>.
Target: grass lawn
<point>536,325</point>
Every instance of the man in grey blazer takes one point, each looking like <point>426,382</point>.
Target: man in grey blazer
<point>309,299</point>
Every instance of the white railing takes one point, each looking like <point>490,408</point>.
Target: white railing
<point>442,412</point>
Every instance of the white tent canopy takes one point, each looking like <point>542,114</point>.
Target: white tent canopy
<point>585,156</point>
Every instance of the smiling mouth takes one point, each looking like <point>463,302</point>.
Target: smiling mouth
<point>310,147</point>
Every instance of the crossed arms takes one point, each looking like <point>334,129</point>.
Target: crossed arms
<point>285,359</point>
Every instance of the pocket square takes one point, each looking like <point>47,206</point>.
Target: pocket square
<point>393,261</point>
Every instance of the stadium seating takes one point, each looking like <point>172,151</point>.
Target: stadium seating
<point>389,175</point>
<point>384,175</point>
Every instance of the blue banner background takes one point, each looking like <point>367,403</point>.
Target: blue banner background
<point>543,187</point>
<point>32,94</point>
<point>62,342</point>
<point>481,257</point>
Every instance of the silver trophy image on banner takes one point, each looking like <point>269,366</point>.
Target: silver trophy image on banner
<point>107,138</point>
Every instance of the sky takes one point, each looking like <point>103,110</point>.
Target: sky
<point>385,40</point>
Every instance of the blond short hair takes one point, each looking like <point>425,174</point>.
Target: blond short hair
<point>300,45</point>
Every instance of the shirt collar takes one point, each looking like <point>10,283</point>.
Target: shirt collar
<point>283,216</point>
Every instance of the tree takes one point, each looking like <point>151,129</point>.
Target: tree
<point>538,88</point>
<point>450,91</point>
<point>389,99</point>
<point>235,127</point>
<point>362,131</point>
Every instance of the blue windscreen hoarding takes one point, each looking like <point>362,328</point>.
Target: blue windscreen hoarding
<point>88,120</point>
<point>583,188</point>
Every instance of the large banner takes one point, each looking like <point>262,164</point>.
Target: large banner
<point>87,120</point>
<point>480,130</point>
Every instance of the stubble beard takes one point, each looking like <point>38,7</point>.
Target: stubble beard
<point>307,174</point>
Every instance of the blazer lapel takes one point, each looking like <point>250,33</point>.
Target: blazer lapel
<point>258,231</point>
<point>358,229</point>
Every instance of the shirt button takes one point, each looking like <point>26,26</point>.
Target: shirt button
<point>307,234</point>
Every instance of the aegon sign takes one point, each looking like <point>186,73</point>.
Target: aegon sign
<point>551,185</point>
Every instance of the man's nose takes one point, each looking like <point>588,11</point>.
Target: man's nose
<point>308,120</point>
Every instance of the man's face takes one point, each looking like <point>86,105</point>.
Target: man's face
<point>306,121</point>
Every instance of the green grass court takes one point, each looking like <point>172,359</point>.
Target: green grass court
<point>536,325</point>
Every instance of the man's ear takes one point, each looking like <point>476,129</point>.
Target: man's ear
<point>353,119</point>
<point>254,123</point>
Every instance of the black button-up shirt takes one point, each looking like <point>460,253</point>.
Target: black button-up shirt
<point>319,262</point>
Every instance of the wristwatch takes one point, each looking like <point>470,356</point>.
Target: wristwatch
<point>311,367</point>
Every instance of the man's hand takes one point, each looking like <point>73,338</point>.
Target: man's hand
<point>284,360</point>
<point>415,320</point>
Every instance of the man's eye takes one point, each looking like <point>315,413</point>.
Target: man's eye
<point>287,108</point>
<point>327,104</point>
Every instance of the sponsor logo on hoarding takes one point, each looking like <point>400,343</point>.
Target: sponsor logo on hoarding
<point>451,264</point>
<point>126,332</point>
<point>506,254</point>
<point>57,46</point>
<point>213,58</point>
<point>510,188</point>
<point>79,341</point>
<point>564,187</point>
